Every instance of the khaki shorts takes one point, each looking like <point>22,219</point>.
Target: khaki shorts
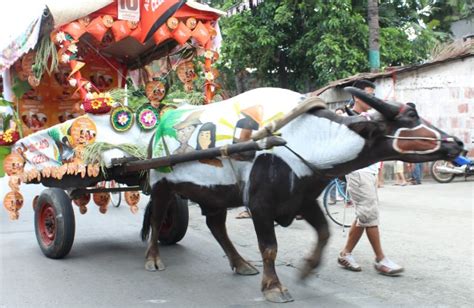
<point>363,190</point>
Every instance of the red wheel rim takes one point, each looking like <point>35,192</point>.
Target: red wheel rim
<point>47,224</point>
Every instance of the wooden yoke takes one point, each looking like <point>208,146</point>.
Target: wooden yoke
<point>272,127</point>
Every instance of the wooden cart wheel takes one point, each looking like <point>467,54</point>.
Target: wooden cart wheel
<point>175,225</point>
<point>54,223</point>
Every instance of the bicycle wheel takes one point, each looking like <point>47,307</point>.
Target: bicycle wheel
<point>338,205</point>
<point>437,171</point>
<point>115,197</point>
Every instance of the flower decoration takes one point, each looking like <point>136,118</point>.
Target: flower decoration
<point>96,104</point>
<point>73,82</point>
<point>9,137</point>
<point>88,86</point>
<point>72,48</point>
<point>147,117</point>
<point>60,37</point>
<point>65,58</point>
<point>121,118</point>
<point>209,76</point>
<point>209,54</point>
<point>89,95</point>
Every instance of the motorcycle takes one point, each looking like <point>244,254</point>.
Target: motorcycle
<point>445,171</point>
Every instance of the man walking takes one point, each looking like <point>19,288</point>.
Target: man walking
<point>362,185</point>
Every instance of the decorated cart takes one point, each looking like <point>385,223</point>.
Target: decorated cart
<point>71,125</point>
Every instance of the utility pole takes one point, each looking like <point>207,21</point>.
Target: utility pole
<point>374,30</point>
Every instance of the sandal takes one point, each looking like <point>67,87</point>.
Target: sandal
<point>243,214</point>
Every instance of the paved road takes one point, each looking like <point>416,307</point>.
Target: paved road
<point>427,228</point>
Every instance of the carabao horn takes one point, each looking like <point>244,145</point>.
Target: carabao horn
<point>386,108</point>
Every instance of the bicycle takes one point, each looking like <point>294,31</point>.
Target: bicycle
<point>115,197</point>
<point>338,203</point>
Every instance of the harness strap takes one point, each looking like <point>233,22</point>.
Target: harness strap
<point>308,164</point>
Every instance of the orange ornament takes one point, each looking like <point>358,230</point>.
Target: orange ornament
<point>97,29</point>
<point>85,21</point>
<point>191,23</point>
<point>75,29</point>
<point>201,34</point>
<point>108,21</point>
<point>13,164</point>
<point>181,34</point>
<point>162,34</point>
<point>132,197</point>
<point>186,72</point>
<point>155,91</point>
<point>137,32</point>
<point>13,201</point>
<point>132,24</point>
<point>27,63</point>
<point>33,81</point>
<point>101,198</point>
<point>83,132</point>
<point>172,23</point>
<point>81,202</point>
<point>121,30</point>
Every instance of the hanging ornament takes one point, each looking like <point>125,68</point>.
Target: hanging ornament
<point>33,81</point>
<point>172,23</point>
<point>13,202</point>
<point>102,200</point>
<point>185,71</point>
<point>13,164</point>
<point>120,29</point>
<point>97,28</point>
<point>85,21</point>
<point>14,182</point>
<point>108,21</point>
<point>132,24</point>
<point>155,91</point>
<point>201,34</point>
<point>27,63</point>
<point>137,32</point>
<point>191,23</point>
<point>147,117</point>
<point>74,29</point>
<point>82,201</point>
<point>121,118</point>
<point>182,33</point>
<point>161,35</point>
<point>132,198</point>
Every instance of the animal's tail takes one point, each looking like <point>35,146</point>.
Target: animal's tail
<point>146,221</point>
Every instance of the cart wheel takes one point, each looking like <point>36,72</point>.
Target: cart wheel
<point>175,225</point>
<point>54,223</point>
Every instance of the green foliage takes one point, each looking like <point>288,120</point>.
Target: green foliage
<point>303,45</point>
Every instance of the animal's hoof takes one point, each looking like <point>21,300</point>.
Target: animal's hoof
<point>152,265</point>
<point>246,268</point>
<point>277,295</point>
<point>160,265</point>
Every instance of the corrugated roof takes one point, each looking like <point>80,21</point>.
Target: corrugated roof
<point>468,51</point>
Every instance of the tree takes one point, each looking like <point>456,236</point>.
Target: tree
<point>305,44</point>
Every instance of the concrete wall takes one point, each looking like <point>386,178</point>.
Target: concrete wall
<point>443,93</point>
<point>463,27</point>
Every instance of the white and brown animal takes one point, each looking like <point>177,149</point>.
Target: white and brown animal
<point>277,184</point>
